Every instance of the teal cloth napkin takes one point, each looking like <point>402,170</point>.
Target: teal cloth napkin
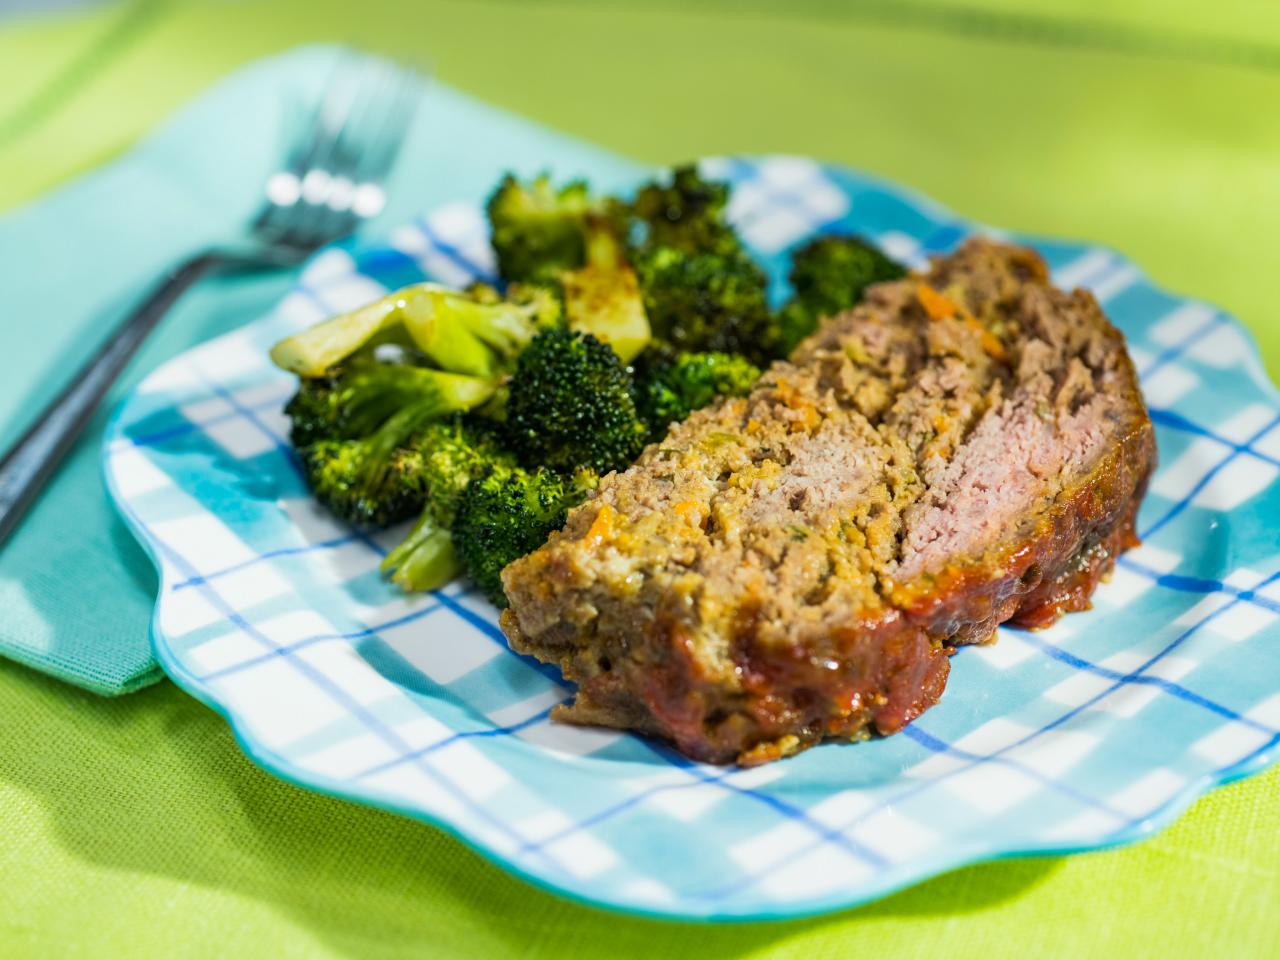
<point>76,591</point>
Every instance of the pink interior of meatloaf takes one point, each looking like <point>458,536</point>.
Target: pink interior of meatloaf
<point>1014,458</point>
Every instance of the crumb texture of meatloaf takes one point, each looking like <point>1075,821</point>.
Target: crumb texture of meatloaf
<point>967,446</point>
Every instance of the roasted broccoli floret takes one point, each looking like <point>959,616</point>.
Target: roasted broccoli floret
<point>544,301</point>
<point>508,512</point>
<point>701,289</point>
<point>377,479</point>
<point>829,274</point>
<point>355,399</point>
<point>707,301</point>
<point>453,452</point>
<point>687,214</point>
<point>362,481</point>
<point>477,337</point>
<point>537,230</point>
<point>570,405</point>
<point>317,411</point>
<point>670,386</point>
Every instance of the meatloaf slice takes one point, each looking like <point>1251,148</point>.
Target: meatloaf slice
<point>966,447</point>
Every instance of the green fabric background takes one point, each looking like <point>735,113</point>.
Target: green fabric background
<point>134,827</point>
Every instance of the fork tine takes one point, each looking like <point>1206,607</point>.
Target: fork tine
<point>357,188</point>
<point>386,130</point>
<point>359,128</point>
<point>322,215</point>
<point>402,109</point>
<point>284,189</point>
<point>342,183</point>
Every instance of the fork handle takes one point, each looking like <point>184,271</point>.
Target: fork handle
<point>27,466</point>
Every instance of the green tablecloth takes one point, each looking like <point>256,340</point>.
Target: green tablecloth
<point>134,826</point>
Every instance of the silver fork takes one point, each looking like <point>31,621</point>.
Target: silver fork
<point>331,179</point>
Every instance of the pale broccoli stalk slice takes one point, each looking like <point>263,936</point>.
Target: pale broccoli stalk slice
<point>320,348</point>
<point>425,560</point>
<point>603,298</point>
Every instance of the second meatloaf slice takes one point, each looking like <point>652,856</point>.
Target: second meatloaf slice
<point>966,447</point>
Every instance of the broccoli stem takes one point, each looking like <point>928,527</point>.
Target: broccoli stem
<point>425,560</point>
<point>391,435</point>
<point>438,394</point>
<point>314,351</point>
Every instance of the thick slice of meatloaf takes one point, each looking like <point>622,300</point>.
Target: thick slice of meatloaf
<point>966,447</point>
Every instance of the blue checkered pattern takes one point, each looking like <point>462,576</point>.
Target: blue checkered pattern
<point>1091,733</point>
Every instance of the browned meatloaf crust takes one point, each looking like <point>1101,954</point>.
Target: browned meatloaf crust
<point>966,447</point>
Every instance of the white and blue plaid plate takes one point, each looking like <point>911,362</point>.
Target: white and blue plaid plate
<point>1092,733</point>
